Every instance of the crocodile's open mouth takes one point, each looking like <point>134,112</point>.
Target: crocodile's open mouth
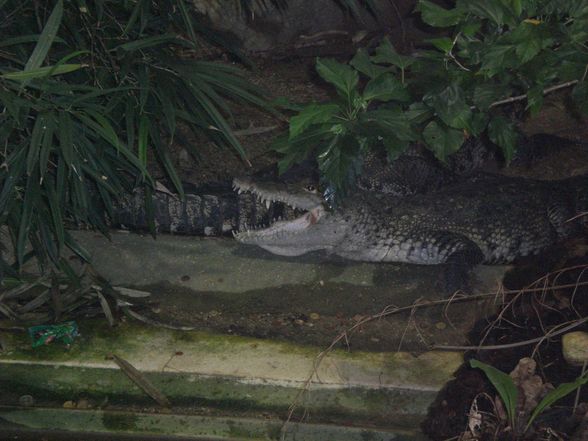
<point>307,205</point>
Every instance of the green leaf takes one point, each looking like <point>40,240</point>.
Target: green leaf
<point>46,146</point>
<point>56,211</point>
<point>437,16</point>
<point>418,112</point>
<point>35,143</point>
<point>25,39</point>
<point>29,204</point>
<point>393,121</point>
<point>42,72</point>
<point>361,62</point>
<point>497,58</point>
<point>487,93</point>
<point>558,393</point>
<point>535,99</point>
<point>394,147</point>
<point>442,140</point>
<point>492,10</point>
<point>144,124</point>
<point>502,132</point>
<point>149,42</point>
<point>385,88</point>
<point>528,41</point>
<point>385,53</point>
<point>65,134</point>
<point>342,76</point>
<point>311,115</point>
<point>444,44</point>
<point>580,97</point>
<point>46,38</point>
<point>165,158</point>
<point>503,384</point>
<point>451,107</point>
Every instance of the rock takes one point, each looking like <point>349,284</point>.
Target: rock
<point>575,348</point>
<point>271,26</point>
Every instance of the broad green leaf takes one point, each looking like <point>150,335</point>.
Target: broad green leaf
<point>487,93</point>
<point>503,384</point>
<point>342,76</point>
<point>394,147</point>
<point>437,16</point>
<point>451,107</point>
<point>444,44</point>
<point>385,53</point>
<point>497,58</point>
<point>394,122</point>
<point>502,132</point>
<point>535,99</point>
<point>555,395</point>
<point>46,38</point>
<point>42,72</point>
<point>528,42</point>
<point>362,62</point>
<point>492,10</point>
<point>442,140</point>
<point>311,115</point>
<point>385,88</point>
<point>418,112</point>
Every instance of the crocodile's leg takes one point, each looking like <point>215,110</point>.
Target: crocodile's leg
<point>459,254</point>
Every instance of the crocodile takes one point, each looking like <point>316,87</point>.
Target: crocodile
<point>481,219</point>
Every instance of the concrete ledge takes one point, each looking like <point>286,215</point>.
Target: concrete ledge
<point>166,426</point>
<point>229,372</point>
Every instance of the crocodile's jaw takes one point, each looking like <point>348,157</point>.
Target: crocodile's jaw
<point>316,229</point>
<point>291,238</point>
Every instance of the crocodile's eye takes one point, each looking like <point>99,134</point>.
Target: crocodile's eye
<point>311,188</point>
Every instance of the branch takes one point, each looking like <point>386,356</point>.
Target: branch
<point>523,97</point>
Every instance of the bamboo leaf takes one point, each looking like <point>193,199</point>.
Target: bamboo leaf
<point>46,38</point>
<point>148,42</point>
<point>56,217</point>
<point>28,207</point>
<point>65,134</point>
<point>42,72</point>
<point>46,145</point>
<point>35,143</point>
<point>143,139</point>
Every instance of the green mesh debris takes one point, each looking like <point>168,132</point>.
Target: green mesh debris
<point>46,334</point>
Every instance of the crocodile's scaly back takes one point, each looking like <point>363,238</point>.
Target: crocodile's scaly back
<point>484,218</point>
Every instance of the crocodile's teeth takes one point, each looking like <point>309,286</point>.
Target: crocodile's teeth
<point>267,203</point>
<point>239,191</point>
<point>234,233</point>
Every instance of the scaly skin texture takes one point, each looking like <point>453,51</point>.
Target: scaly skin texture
<point>486,218</point>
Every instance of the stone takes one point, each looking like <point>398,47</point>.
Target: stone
<point>575,348</point>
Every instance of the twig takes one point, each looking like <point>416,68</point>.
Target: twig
<point>513,99</point>
<point>573,325</point>
<point>254,130</point>
<point>140,380</point>
<point>389,310</point>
